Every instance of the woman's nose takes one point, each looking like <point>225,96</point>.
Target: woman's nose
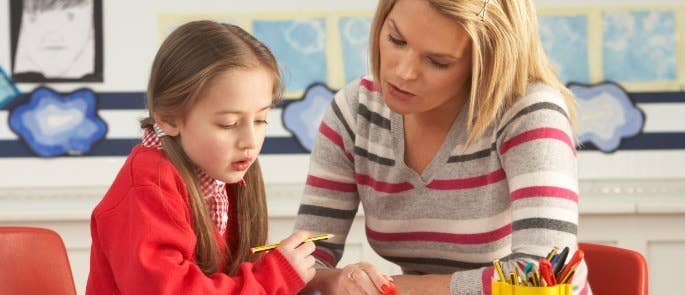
<point>407,68</point>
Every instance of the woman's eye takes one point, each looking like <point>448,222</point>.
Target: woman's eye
<point>437,64</point>
<point>396,41</point>
<point>262,122</point>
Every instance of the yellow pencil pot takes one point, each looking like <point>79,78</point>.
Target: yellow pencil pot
<point>501,288</point>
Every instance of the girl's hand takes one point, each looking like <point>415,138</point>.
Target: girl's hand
<point>364,278</point>
<point>299,253</point>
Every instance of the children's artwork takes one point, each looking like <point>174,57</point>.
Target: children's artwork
<point>300,48</point>
<point>53,125</point>
<point>565,39</point>
<point>56,41</point>
<point>8,91</point>
<point>303,117</point>
<point>606,115</point>
<point>354,37</point>
<point>639,46</point>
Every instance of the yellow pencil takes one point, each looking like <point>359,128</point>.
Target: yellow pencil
<point>498,268</point>
<point>275,245</point>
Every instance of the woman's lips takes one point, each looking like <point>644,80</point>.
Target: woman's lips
<point>399,93</point>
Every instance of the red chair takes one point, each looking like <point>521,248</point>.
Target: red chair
<point>614,270</point>
<point>34,261</point>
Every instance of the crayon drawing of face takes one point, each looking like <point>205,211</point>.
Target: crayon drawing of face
<point>56,40</point>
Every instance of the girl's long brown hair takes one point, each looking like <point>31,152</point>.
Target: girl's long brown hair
<point>191,56</point>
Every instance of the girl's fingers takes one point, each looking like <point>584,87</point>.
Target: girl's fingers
<point>306,248</point>
<point>294,240</point>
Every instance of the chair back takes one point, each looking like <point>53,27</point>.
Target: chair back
<point>34,261</point>
<point>614,270</point>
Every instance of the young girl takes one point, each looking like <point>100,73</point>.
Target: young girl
<point>189,202</point>
<point>460,148</point>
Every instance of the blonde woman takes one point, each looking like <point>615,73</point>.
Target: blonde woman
<point>460,148</point>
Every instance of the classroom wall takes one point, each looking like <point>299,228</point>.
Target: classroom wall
<point>625,60</point>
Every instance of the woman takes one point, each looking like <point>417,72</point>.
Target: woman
<point>460,149</point>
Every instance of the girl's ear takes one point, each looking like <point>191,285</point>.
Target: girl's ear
<point>168,125</point>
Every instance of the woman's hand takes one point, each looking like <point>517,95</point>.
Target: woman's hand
<point>363,278</point>
<point>298,252</point>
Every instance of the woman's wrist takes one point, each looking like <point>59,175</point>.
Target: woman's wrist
<point>323,282</point>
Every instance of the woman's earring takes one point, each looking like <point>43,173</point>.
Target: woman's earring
<point>158,131</point>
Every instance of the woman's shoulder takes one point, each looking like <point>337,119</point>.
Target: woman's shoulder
<point>539,94</point>
<point>541,106</point>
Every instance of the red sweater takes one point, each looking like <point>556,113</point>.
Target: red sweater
<point>143,240</point>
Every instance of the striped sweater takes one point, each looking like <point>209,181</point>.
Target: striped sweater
<point>512,194</point>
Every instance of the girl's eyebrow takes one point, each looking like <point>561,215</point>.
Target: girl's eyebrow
<point>392,24</point>
<point>223,112</point>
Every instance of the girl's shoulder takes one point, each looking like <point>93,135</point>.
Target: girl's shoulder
<point>150,166</point>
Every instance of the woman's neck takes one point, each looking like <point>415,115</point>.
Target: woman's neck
<point>440,119</point>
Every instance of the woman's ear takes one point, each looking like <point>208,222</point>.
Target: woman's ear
<point>168,125</point>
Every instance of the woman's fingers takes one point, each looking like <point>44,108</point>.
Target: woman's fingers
<point>378,278</point>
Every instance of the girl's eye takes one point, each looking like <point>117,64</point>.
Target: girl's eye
<point>396,41</point>
<point>262,122</point>
<point>437,64</point>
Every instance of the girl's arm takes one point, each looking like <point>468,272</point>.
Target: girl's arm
<point>149,244</point>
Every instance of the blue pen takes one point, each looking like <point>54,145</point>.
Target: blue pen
<point>560,260</point>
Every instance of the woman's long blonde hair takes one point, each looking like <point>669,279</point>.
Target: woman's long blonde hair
<point>187,60</point>
<point>507,54</point>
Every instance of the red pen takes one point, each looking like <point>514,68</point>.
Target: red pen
<point>546,272</point>
<point>571,266</point>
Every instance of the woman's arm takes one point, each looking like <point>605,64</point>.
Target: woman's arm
<point>330,200</point>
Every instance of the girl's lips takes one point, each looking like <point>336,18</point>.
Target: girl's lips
<point>399,93</point>
<point>242,164</point>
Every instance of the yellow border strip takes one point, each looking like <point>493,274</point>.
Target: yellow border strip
<point>680,38</point>
<point>334,58</point>
<point>335,66</point>
<point>594,46</point>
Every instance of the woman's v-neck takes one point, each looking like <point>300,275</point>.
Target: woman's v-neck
<point>454,136</point>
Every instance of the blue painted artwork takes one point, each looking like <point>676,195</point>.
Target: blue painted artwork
<point>606,115</point>
<point>53,125</point>
<point>565,39</point>
<point>303,117</point>
<point>8,90</point>
<point>354,37</point>
<point>639,46</point>
<point>299,47</point>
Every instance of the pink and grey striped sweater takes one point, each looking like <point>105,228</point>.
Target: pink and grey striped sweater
<point>512,194</point>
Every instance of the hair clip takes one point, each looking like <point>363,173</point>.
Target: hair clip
<point>158,131</point>
<point>482,11</point>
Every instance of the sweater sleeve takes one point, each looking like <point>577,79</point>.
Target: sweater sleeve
<point>330,200</point>
<point>150,245</point>
<point>536,149</point>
